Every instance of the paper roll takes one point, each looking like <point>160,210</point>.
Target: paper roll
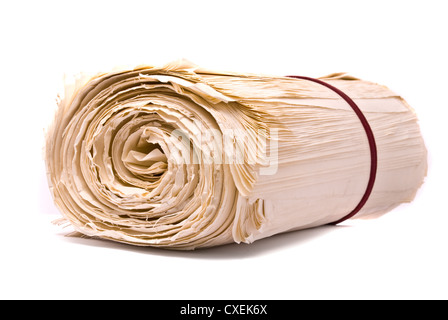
<point>182,157</point>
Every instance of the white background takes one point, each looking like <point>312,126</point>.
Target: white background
<point>401,44</point>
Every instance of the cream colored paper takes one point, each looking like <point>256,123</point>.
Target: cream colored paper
<point>182,157</point>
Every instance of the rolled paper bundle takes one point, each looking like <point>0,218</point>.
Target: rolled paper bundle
<point>182,157</point>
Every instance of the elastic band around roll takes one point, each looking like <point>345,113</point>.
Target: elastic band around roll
<point>370,138</point>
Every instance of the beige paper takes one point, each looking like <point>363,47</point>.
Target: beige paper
<point>182,157</point>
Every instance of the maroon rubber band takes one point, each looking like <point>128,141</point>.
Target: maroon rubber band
<point>370,138</point>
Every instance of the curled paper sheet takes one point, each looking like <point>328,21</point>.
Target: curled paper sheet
<point>182,157</point>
